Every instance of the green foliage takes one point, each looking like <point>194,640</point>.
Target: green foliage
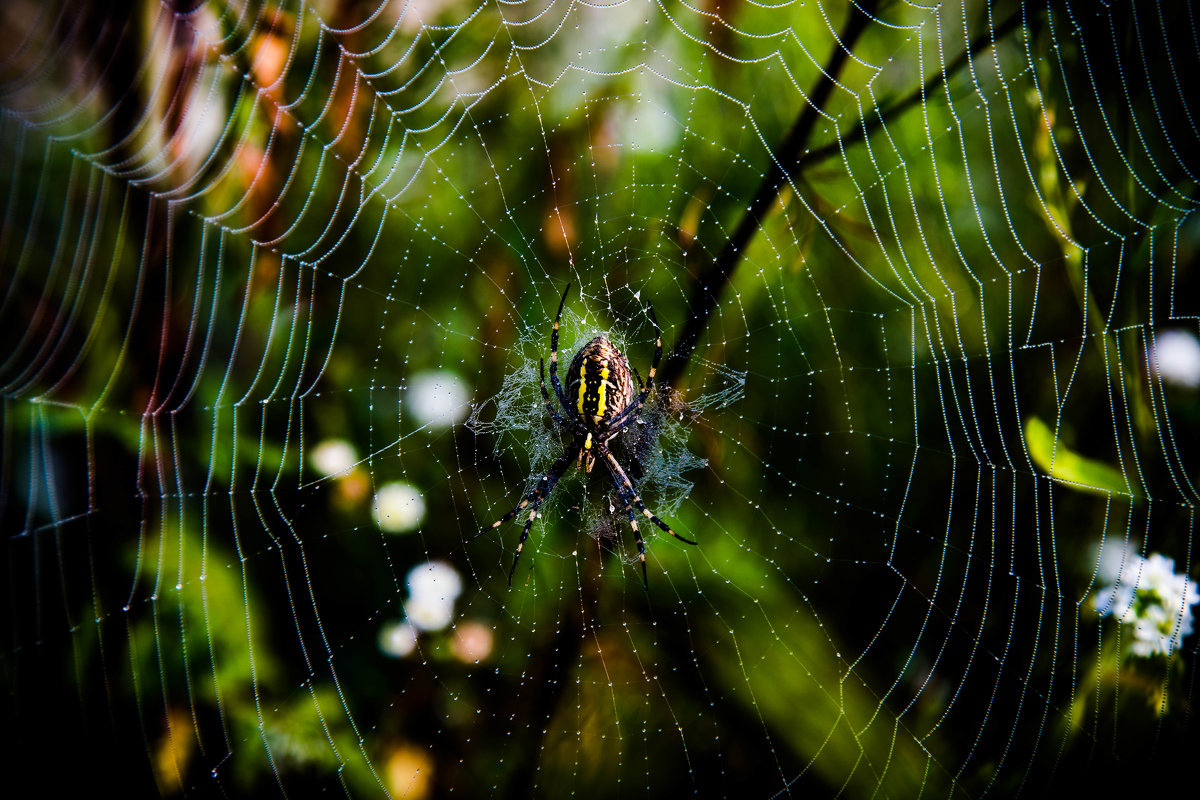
<point>236,233</point>
<point>1064,464</point>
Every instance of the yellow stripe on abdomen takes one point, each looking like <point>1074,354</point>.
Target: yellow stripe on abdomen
<point>602,390</point>
<point>582,385</point>
<point>593,391</point>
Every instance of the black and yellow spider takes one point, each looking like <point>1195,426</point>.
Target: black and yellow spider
<point>601,382</point>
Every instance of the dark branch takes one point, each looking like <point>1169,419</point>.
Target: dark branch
<point>712,279</point>
<point>865,127</point>
<point>793,156</point>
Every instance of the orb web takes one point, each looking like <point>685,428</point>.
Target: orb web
<point>277,279</point>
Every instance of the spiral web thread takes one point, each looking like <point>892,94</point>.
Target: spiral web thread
<point>936,440</point>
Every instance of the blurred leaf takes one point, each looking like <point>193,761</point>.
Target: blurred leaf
<point>1066,466</point>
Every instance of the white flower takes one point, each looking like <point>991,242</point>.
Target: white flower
<point>429,612</point>
<point>398,507</point>
<point>1116,600</point>
<point>438,398</point>
<point>1120,566</point>
<point>397,638</point>
<point>1175,355</point>
<point>333,457</point>
<point>434,579</point>
<point>1119,558</point>
<point>1158,575</point>
<point>432,589</point>
<point>1148,595</point>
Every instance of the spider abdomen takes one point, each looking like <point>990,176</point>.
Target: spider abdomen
<point>599,381</point>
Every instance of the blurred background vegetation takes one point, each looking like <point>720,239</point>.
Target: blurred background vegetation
<point>276,280</point>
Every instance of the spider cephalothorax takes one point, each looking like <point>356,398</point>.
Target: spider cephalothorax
<point>599,401</point>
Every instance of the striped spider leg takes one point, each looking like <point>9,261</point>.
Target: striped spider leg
<point>533,502</point>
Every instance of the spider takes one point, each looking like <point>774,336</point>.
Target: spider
<point>600,380</point>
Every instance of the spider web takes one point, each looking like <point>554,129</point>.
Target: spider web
<point>276,282</point>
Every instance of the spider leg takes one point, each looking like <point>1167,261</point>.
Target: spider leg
<point>637,535</point>
<point>521,544</point>
<point>546,396</point>
<point>554,381</point>
<point>618,475</point>
<point>631,412</point>
<point>657,348</point>
<point>534,500</point>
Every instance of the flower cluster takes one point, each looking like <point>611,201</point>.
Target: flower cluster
<point>1149,596</point>
<point>433,588</point>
